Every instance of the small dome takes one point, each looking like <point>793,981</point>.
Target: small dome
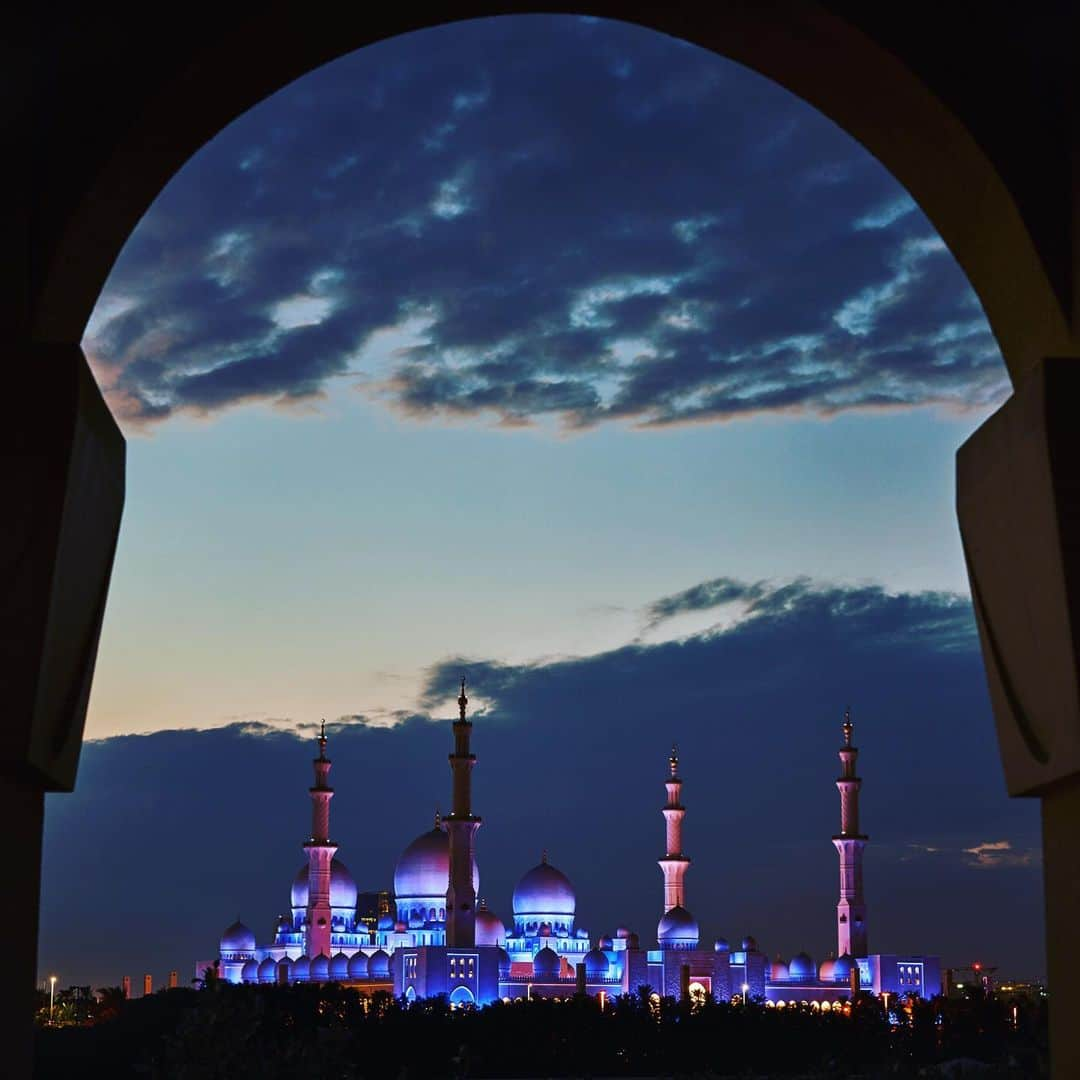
<point>622,932</point>
<point>604,943</point>
<point>301,969</point>
<point>378,965</point>
<point>358,965</point>
<point>386,922</point>
<point>504,963</point>
<point>489,928</point>
<point>721,945</point>
<point>283,925</point>
<point>339,966</point>
<point>827,971</point>
<point>268,970</point>
<point>677,929</point>
<point>343,889</point>
<point>423,869</point>
<point>842,968</point>
<point>749,944</point>
<point>250,971</point>
<point>320,968</point>
<point>778,971</point>
<point>546,963</point>
<point>544,891</point>
<point>238,939</point>
<point>596,965</point>
<point>801,967</point>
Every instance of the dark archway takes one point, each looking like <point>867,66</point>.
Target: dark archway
<point>978,122</point>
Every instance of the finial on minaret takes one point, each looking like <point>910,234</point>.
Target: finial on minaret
<point>673,761</point>
<point>543,856</point>
<point>438,818</point>
<point>848,726</point>
<point>322,739</point>
<point>463,700</point>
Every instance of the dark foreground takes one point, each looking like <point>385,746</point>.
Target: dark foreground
<point>327,1032</point>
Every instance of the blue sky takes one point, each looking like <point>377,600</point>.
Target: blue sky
<point>485,348</point>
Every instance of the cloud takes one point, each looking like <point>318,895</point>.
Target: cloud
<point>988,855</point>
<point>601,224</point>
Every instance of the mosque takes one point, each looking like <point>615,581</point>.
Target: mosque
<point>439,939</point>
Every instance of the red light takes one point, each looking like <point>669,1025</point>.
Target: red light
<point>977,966</point>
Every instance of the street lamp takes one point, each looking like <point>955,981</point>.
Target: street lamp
<point>52,991</point>
<point>745,987</point>
<point>885,998</point>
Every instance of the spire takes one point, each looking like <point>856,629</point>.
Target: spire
<point>543,857</point>
<point>673,760</point>
<point>438,818</point>
<point>848,726</point>
<point>463,700</point>
<point>322,741</point>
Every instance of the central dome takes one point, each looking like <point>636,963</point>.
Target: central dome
<point>342,888</point>
<point>543,890</point>
<point>677,928</point>
<point>423,870</point>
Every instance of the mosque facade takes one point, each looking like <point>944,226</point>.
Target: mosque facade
<point>437,937</point>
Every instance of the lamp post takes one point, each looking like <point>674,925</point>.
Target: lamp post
<point>52,992</point>
<point>745,987</point>
<point>885,998</point>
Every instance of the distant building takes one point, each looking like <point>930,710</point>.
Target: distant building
<point>435,936</point>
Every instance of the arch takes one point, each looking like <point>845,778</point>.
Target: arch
<point>462,995</point>
<point>410,995</point>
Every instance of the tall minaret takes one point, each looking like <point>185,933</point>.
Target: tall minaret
<point>461,828</point>
<point>674,864</point>
<point>320,851</point>
<point>849,843</point>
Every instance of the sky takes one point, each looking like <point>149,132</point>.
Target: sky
<point>573,358</point>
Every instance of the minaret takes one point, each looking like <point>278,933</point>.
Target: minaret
<point>461,828</point>
<point>674,864</point>
<point>320,851</point>
<point>849,843</point>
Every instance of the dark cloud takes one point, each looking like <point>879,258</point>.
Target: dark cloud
<point>562,218</point>
<point>170,836</point>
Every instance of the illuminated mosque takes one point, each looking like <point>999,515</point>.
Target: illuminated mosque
<point>436,938</point>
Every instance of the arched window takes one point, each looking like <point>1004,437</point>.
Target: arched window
<point>462,996</point>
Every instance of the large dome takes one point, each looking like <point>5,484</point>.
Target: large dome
<point>677,928</point>
<point>801,967</point>
<point>543,890</point>
<point>238,939</point>
<point>423,870</point>
<point>342,887</point>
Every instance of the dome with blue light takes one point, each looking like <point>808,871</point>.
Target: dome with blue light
<point>301,968</point>
<point>544,895</point>
<point>237,939</point>
<point>250,971</point>
<point>597,965</point>
<point>546,963</point>
<point>422,875</point>
<point>379,965</point>
<point>749,944</point>
<point>339,966</point>
<point>320,967</point>
<point>678,929</point>
<point>268,970</point>
<point>843,967</point>
<point>358,966</point>
<point>801,967</point>
<point>721,945</point>
<point>504,963</point>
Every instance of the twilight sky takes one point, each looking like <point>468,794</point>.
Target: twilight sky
<point>587,362</point>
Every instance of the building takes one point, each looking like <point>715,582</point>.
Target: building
<point>436,935</point>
